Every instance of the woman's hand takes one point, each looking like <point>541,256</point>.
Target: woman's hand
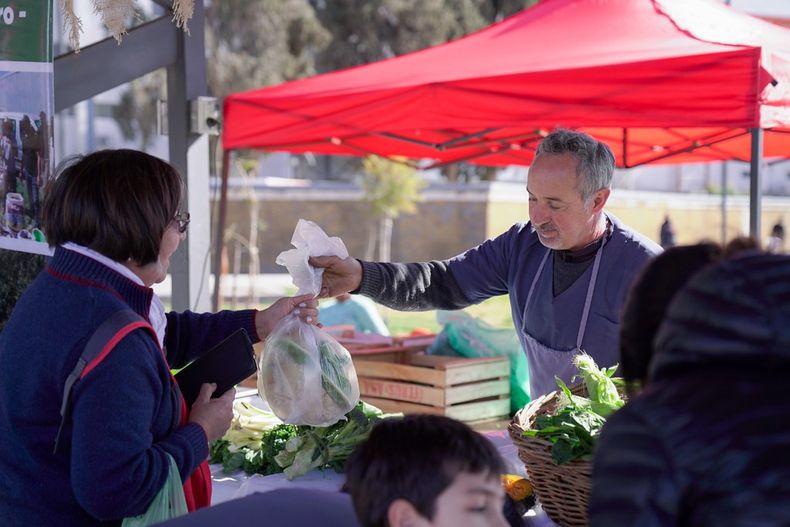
<point>305,306</point>
<point>214,415</point>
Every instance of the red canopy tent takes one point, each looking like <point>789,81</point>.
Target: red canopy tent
<point>662,81</point>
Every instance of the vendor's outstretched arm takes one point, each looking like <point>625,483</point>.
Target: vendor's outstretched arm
<point>405,287</point>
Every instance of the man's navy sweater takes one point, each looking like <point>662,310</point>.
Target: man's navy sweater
<point>111,461</point>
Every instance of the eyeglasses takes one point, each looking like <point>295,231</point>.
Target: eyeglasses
<point>182,220</point>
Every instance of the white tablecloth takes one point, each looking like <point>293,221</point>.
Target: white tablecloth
<point>233,486</point>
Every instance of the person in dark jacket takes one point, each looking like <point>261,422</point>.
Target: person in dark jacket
<point>706,442</point>
<point>647,303</point>
<point>115,219</point>
<point>667,233</point>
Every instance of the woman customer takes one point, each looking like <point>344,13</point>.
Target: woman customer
<point>115,219</point>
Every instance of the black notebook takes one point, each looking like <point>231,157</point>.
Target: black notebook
<point>226,364</point>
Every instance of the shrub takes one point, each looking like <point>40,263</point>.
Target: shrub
<point>18,270</point>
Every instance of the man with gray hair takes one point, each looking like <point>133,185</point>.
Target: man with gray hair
<point>567,270</point>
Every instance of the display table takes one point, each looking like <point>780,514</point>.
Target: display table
<point>288,507</point>
<point>238,485</point>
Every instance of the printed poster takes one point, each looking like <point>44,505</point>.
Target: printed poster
<point>27,106</point>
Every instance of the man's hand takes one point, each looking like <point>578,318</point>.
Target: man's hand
<point>340,276</point>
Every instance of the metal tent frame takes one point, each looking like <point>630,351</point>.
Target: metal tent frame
<point>146,48</point>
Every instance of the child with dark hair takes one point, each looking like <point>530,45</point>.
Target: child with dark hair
<point>426,470</point>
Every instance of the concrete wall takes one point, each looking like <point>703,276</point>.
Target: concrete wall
<point>452,218</point>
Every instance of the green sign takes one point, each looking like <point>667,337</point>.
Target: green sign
<point>27,107</point>
<point>26,30</point>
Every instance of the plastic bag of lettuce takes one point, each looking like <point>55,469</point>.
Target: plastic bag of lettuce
<point>574,427</point>
<point>305,375</point>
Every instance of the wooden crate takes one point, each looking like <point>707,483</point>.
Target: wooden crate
<point>371,344</point>
<point>464,389</point>
<point>374,347</point>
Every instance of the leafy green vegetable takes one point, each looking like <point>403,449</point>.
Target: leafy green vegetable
<point>297,450</point>
<point>320,447</point>
<point>297,353</point>
<point>574,427</point>
<point>600,388</point>
<point>333,375</point>
<point>290,374</point>
<point>253,459</point>
<point>572,432</point>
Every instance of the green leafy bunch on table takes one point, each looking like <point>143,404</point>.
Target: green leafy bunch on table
<point>574,427</point>
<point>259,443</point>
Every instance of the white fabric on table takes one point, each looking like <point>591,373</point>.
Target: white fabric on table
<point>237,485</point>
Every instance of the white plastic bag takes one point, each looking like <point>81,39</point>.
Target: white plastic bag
<point>309,240</point>
<point>306,376</point>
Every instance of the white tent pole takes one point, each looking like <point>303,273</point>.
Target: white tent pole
<point>755,192</point>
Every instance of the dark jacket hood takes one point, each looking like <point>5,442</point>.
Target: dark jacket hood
<point>734,314</point>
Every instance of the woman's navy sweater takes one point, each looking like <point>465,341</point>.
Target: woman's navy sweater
<point>111,460</point>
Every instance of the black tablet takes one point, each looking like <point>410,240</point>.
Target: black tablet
<point>226,364</point>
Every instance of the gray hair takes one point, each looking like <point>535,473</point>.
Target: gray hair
<point>596,160</point>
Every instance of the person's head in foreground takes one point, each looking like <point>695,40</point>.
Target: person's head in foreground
<point>651,294</point>
<point>706,442</point>
<point>735,315</point>
<point>426,470</point>
<point>647,303</point>
<point>568,184</point>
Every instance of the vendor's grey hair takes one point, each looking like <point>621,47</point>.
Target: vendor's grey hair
<point>596,161</point>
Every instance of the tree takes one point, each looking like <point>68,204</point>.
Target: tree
<point>391,188</point>
<point>136,111</point>
<point>248,168</point>
<point>365,31</point>
<point>248,45</point>
<point>254,44</point>
<point>496,10</point>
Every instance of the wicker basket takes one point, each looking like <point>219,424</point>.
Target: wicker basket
<point>563,490</point>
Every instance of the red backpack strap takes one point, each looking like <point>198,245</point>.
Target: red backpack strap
<point>103,340</point>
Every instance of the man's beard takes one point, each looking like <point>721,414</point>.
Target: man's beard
<point>546,229</point>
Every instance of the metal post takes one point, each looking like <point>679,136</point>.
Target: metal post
<point>189,153</point>
<point>105,65</point>
<point>755,192</point>
<point>625,147</point>
<point>219,238</point>
<point>724,203</point>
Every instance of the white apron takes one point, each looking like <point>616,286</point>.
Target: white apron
<point>545,362</point>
